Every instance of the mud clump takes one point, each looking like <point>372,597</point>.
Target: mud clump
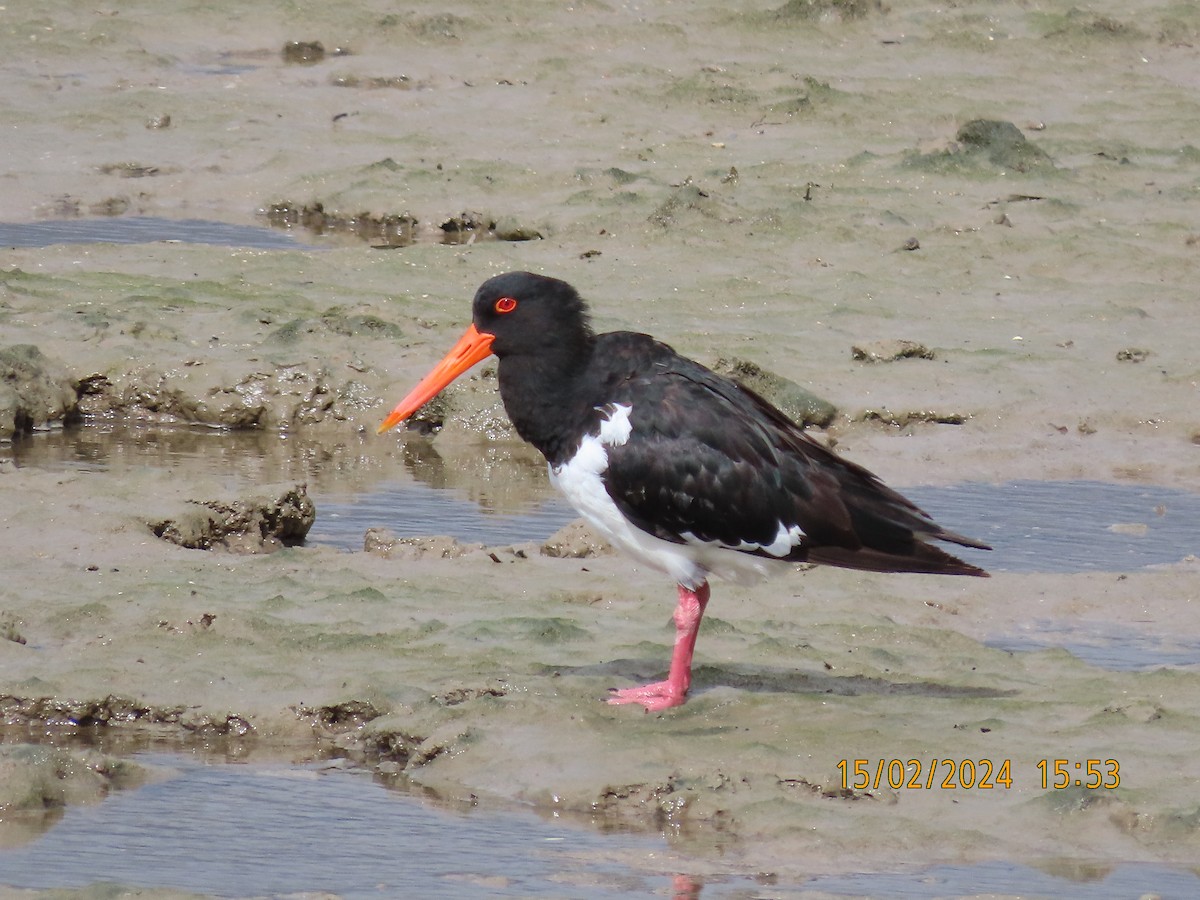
<point>689,203</point>
<point>387,746</point>
<point>303,53</point>
<point>10,628</point>
<point>383,542</point>
<point>394,230</point>
<point>825,10</point>
<point>469,226</point>
<point>338,717</point>
<point>33,391</point>
<point>1132,354</point>
<point>277,395</point>
<point>36,779</point>
<point>575,540</point>
<point>912,417</point>
<point>57,711</point>
<point>801,406</point>
<point>260,524</point>
<point>387,230</point>
<point>114,710</point>
<point>1003,143</point>
<point>890,351</point>
<point>986,142</point>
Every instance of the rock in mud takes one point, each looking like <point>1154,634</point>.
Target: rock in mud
<point>985,143</point>
<point>257,524</point>
<point>33,391</point>
<point>1003,143</point>
<point>801,406</point>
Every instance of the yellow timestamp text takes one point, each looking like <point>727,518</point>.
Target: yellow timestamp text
<point>925,774</point>
<point>973,774</point>
<point>1093,774</point>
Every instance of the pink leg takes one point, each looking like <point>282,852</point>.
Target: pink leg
<point>673,691</point>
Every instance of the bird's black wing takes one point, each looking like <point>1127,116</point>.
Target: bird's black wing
<point>709,460</point>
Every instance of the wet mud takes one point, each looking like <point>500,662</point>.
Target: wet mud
<point>968,232</point>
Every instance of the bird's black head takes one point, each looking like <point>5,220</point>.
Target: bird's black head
<point>530,313</point>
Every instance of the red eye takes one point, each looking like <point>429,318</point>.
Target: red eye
<point>505,305</point>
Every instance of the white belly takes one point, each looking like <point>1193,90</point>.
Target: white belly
<point>581,480</point>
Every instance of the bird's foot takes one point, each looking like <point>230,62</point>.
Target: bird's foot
<point>657,696</point>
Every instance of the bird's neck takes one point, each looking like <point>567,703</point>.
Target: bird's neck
<point>546,396</point>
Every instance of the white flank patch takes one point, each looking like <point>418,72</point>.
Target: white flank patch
<point>580,479</point>
<point>786,539</point>
<point>616,429</point>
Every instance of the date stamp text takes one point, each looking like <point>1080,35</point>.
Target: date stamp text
<point>974,774</point>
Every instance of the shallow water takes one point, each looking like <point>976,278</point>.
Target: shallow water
<point>1033,526</point>
<point>142,230</point>
<point>253,830</point>
<point>280,235</point>
<point>1094,882</point>
<point>260,830</point>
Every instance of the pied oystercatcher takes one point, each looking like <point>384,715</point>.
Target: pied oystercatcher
<point>681,468</point>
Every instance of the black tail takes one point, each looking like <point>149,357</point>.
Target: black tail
<point>921,558</point>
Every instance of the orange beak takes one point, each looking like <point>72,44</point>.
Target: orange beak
<point>471,348</point>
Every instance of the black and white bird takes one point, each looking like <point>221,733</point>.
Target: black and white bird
<point>684,470</point>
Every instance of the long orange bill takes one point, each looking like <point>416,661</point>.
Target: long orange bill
<point>474,346</point>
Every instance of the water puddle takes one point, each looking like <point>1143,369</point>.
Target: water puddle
<point>1057,879</point>
<point>500,495</point>
<point>1069,526</point>
<point>142,230</point>
<point>285,222</point>
<point>237,830</point>
<point>1033,526</point>
<point>412,509</point>
<point>261,830</point>
<point>1103,645</point>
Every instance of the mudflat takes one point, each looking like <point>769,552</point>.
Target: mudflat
<point>971,229</point>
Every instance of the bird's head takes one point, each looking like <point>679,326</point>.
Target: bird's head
<point>515,313</point>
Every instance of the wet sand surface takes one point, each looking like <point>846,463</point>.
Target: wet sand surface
<point>773,183</point>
